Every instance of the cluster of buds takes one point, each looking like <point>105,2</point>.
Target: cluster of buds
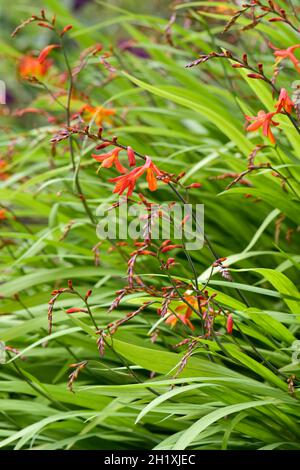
<point>112,327</point>
<point>205,57</point>
<point>44,22</point>
<point>62,134</point>
<point>56,294</point>
<point>132,260</point>
<point>284,104</point>
<point>168,264</point>
<point>187,355</point>
<point>168,296</point>
<point>167,246</point>
<point>74,375</point>
<point>232,175</point>
<point>271,8</point>
<point>101,342</point>
<point>223,269</point>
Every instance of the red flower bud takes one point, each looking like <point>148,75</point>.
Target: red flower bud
<point>147,252</point>
<point>46,51</point>
<point>170,247</point>
<point>131,156</point>
<point>229,324</point>
<point>74,310</point>
<point>170,262</point>
<point>245,59</point>
<point>103,145</point>
<point>88,294</point>
<point>272,20</point>
<point>194,185</point>
<point>255,75</point>
<point>66,28</point>
<point>45,25</point>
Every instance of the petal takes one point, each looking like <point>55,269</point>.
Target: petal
<point>255,125</point>
<point>103,156</point>
<point>295,62</point>
<point>120,167</point>
<point>189,323</point>
<point>130,188</point>
<point>292,48</point>
<point>131,156</point>
<point>46,51</point>
<point>152,183</point>
<point>266,127</point>
<point>271,136</point>
<point>108,162</point>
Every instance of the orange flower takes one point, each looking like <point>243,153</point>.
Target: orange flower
<point>3,214</point>
<point>265,121</point>
<point>30,66</point>
<point>173,319</point>
<point>98,113</point>
<point>3,165</point>
<point>187,312</point>
<point>128,181</point>
<point>288,53</point>
<point>38,67</point>
<point>284,102</point>
<point>111,158</point>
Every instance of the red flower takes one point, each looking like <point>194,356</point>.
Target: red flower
<point>111,158</point>
<point>3,214</point>
<point>30,66</point>
<point>265,121</point>
<point>284,102</point>
<point>128,181</point>
<point>288,53</point>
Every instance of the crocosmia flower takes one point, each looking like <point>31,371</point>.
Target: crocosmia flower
<point>265,121</point>
<point>284,102</point>
<point>111,158</point>
<point>30,66</point>
<point>288,53</point>
<point>3,174</point>
<point>97,113</point>
<point>3,214</point>
<point>183,312</point>
<point>129,180</point>
<point>37,67</point>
